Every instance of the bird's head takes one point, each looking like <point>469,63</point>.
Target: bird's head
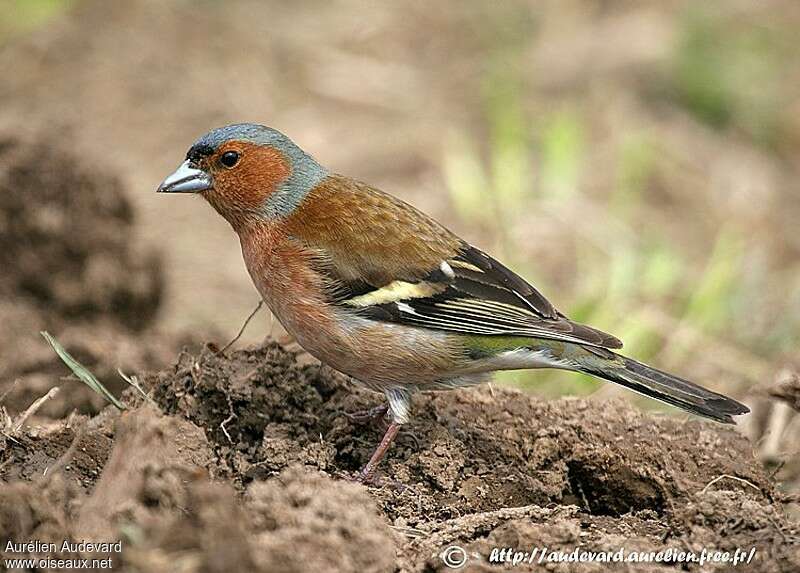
<point>246,172</point>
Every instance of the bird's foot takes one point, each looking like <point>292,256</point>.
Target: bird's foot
<point>372,480</point>
<point>368,475</point>
<point>367,416</point>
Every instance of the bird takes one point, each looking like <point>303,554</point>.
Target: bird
<point>380,291</point>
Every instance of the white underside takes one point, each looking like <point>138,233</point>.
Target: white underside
<point>524,358</point>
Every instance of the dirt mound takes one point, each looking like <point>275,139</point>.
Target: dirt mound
<point>242,470</point>
<point>262,411</point>
<point>69,266</point>
<point>155,495</point>
<point>66,239</point>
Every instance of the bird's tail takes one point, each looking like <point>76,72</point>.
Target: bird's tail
<point>665,387</point>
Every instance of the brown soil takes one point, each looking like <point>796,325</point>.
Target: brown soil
<point>787,388</point>
<point>70,265</point>
<point>241,467</point>
<point>65,239</point>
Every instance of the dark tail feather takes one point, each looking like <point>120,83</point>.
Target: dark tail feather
<point>670,389</point>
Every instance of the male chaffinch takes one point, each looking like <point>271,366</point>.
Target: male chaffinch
<point>380,291</point>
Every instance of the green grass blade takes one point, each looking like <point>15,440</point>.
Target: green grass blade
<point>83,373</point>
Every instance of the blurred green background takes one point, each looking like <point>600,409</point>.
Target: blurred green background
<point>636,160</point>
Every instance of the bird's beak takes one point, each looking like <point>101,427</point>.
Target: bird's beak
<point>186,179</point>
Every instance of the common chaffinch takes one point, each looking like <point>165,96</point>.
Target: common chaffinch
<point>378,290</point>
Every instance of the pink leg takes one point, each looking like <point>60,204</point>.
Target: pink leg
<point>368,473</point>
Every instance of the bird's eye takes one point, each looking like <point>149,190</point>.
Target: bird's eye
<point>229,159</point>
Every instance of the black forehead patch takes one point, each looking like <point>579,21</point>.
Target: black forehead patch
<point>199,151</point>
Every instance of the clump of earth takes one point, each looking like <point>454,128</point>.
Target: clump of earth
<point>239,462</point>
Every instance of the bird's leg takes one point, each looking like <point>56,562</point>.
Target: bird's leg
<point>398,402</point>
<point>364,416</point>
<point>367,474</point>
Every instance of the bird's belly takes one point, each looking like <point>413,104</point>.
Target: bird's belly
<point>377,354</point>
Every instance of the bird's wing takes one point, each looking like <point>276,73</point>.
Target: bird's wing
<point>387,261</point>
<point>472,293</point>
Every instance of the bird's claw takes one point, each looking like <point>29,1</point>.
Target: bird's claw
<point>367,416</point>
<point>371,480</point>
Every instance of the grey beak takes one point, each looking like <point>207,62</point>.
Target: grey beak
<point>186,179</point>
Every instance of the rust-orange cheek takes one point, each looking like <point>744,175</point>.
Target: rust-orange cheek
<point>247,186</point>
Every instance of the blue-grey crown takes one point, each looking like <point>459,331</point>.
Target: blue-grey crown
<point>250,132</point>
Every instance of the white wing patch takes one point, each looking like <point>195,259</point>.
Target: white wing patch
<point>403,307</point>
<point>447,270</point>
